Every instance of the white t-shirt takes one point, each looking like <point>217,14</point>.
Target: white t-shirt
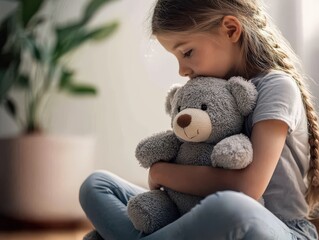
<point>279,98</point>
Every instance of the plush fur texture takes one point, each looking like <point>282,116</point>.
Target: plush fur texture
<point>207,115</point>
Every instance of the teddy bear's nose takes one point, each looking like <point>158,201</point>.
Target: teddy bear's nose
<point>184,120</point>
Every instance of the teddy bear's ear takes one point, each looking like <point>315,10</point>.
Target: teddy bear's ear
<point>170,95</point>
<point>244,92</point>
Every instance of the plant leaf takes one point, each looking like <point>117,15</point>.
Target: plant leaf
<point>29,9</point>
<point>67,84</point>
<point>32,111</point>
<point>23,82</point>
<point>102,32</point>
<point>63,32</point>
<point>72,40</point>
<point>81,89</point>
<point>67,41</point>
<point>66,79</point>
<point>92,8</point>
<point>10,51</point>
<point>5,60</point>
<point>7,80</point>
<point>3,88</point>
<point>32,45</point>
<point>4,33</point>
<point>10,106</point>
<point>36,21</point>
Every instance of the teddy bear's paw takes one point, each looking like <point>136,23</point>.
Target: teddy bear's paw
<point>151,211</point>
<point>159,147</point>
<point>234,152</point>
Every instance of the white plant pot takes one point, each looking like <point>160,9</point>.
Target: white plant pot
<point>40,176</point>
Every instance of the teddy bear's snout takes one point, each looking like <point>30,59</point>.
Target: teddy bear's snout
<point>184,120</point>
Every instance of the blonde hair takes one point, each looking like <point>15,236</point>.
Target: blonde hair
<point>263,49</point>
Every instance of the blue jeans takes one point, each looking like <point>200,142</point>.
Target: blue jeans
<point>223,215</point>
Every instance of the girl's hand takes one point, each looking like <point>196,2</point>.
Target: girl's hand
<point>152,173</point>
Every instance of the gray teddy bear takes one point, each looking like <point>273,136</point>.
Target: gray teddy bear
<point>207,116</point>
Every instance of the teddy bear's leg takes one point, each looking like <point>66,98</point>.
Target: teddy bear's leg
<point>151,211</point>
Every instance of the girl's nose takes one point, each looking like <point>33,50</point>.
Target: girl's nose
<point>185,71</point>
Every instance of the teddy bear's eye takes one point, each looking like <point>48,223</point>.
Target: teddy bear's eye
<point>203,107</point>
<point>179,108</point>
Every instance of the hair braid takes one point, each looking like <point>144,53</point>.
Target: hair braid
<point>312,194</point>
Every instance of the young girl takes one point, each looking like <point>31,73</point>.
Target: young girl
<point>225,38</point>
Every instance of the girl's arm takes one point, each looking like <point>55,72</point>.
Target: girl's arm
<point>268,138</point>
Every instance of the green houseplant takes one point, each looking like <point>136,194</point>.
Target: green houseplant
<point>18,36</point>
<point>40,174</point>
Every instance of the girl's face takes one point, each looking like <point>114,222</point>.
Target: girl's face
<point>204,54</point>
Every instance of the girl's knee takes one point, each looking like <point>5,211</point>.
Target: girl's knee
<point>97,179</point>
<point>94,182</point>
<point>240,216</point>
<point>231,205</point>
<point>229,200</point>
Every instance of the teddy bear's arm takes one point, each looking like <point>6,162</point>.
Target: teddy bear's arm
<point>162,146</point>
<point>234,152</point>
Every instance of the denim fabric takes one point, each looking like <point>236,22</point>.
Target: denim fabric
<point>223,215</point>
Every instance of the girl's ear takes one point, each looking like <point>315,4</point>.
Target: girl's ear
<point>232,27</point>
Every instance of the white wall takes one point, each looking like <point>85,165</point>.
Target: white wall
<point>133,73</point>
<point>310,55</point>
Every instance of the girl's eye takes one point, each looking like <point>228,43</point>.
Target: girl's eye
<point>203,107</point>
<point>188,54</point>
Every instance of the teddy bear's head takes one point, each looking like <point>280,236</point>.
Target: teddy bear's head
<point>208,109</point>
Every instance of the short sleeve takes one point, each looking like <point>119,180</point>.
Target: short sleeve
<point>278,98</point>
